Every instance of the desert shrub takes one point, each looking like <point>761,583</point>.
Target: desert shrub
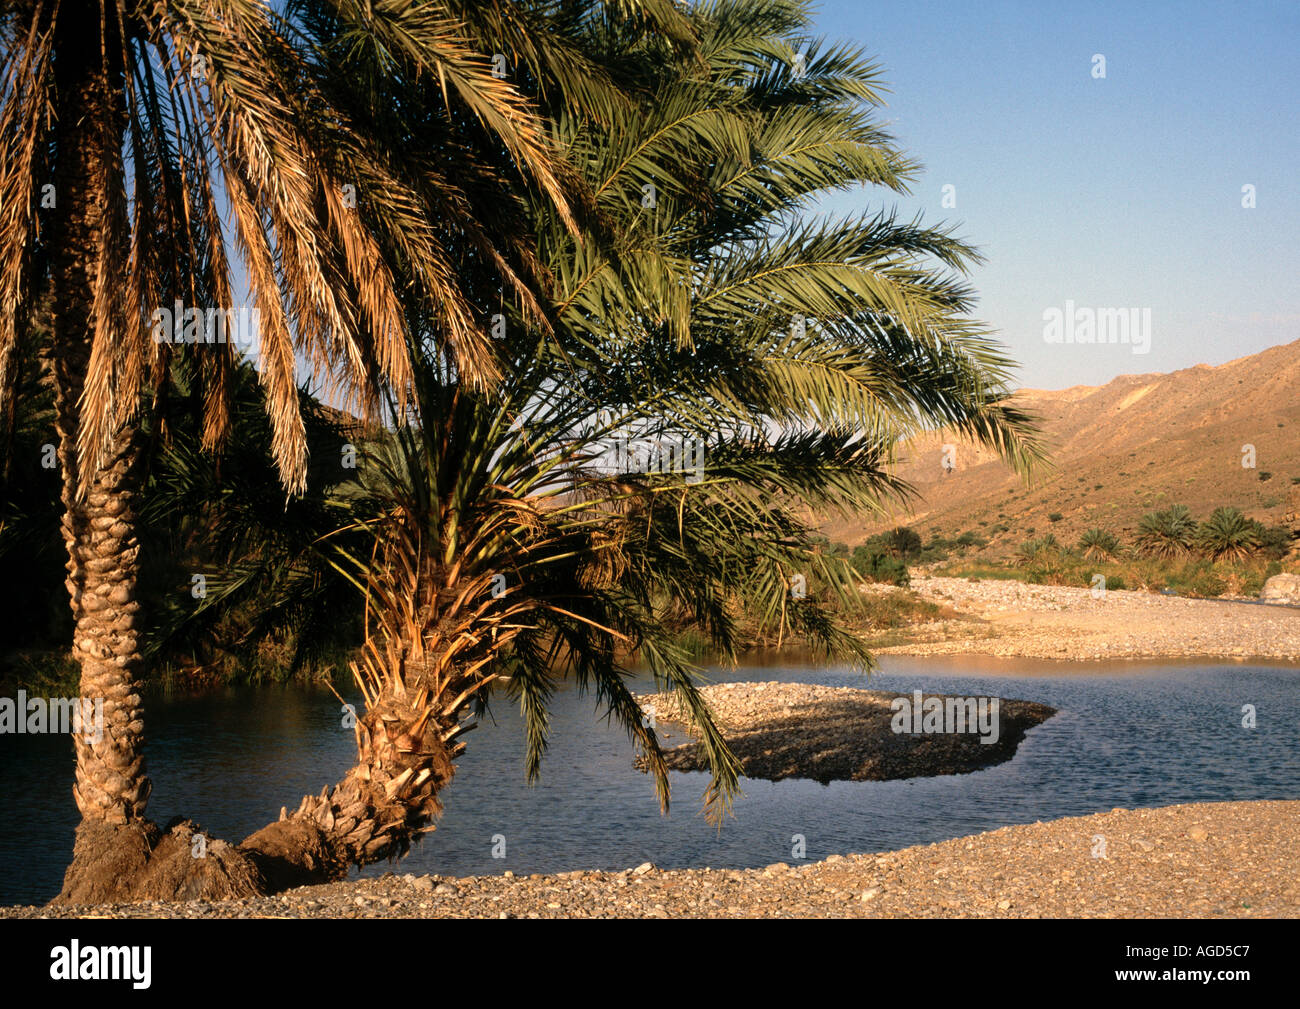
<point>1198,578</point>
<point>1274,541</point>
<point>880,567</point>
<point>900,542</point>
<point>1055,517</point>
<point>1035,550</point>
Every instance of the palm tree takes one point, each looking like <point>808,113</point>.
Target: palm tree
<point>715,367</point>
<point>1036,549</point>
<point>1099,545</point>
<point>1168,533</point>
<point>120,129</point>
<point>668,396</point>
<point>1227,534</point>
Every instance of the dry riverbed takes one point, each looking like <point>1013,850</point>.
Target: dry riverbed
<point>801,730</point>
<point>1204,860</point>
<point>1012,618</point>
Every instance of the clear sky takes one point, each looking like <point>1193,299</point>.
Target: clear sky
<point>1122,192</point>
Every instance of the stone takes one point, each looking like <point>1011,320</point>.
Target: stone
<point>871,894</point>
<point>1198,833</point>
<point>643,868</point>
<point>1281,589</point>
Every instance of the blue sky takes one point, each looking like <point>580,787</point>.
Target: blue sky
<point>1122,192</point>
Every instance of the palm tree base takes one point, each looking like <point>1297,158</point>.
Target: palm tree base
<point>138,861</point>
<point>387,800</point>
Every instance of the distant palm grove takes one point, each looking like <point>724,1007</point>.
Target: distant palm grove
<point>505,257</point>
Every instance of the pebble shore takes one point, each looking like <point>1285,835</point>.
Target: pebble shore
<point>1203,860</point>
<point>1003,617</point>
<point>802,730</point>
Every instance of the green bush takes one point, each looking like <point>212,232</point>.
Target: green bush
<point>880,567</point>
<point>900,542</point>
<point>1198,578</point>
<point>1275,541</point>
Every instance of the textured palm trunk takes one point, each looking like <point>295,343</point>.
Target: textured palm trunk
<point>99,525</point>
<point>387,799</point>
<point>405,752</point>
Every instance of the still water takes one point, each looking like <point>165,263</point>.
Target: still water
<point>1127,734</point>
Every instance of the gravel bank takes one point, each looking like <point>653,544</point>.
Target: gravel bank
<point>1205,860</point>
<point>800,730</point>
<point>1011,618</point>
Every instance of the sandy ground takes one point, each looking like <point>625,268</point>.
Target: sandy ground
<point>1011,618</point>
<point>1205,860</point>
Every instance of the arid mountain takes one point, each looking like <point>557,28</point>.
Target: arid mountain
<point>1137,444</point>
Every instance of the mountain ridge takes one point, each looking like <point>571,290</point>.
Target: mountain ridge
<point>1138,443</point>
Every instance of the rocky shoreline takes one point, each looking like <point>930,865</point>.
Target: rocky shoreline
<point>1009,618</point>
<point>1202,860</point>
<point>801,730</point>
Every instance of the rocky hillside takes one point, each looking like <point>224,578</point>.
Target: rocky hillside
<point>1136,444</point>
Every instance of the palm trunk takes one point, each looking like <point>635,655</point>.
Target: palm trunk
<point>387,799</point>
<point>99,525</point>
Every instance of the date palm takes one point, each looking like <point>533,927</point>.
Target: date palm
<point>701,306</point>
<point>1167,533</point>
<point>123,125</point>
<point>719,368</point>
<point>1099,545</point>
<point>1228,535</point>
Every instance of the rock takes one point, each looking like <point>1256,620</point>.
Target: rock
<point>1198,833</point>
<point>1281,589</point>
<point>871,894</point>
<point>446,890</point>
<point>643,868</point>
<point>1004,905</point>
<point>422,883</point>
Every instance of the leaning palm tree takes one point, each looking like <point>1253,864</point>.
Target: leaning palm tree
<point>1168,533</point>
<point>717,370</point>
<point>1228,535</point>
<point>122,127</point>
